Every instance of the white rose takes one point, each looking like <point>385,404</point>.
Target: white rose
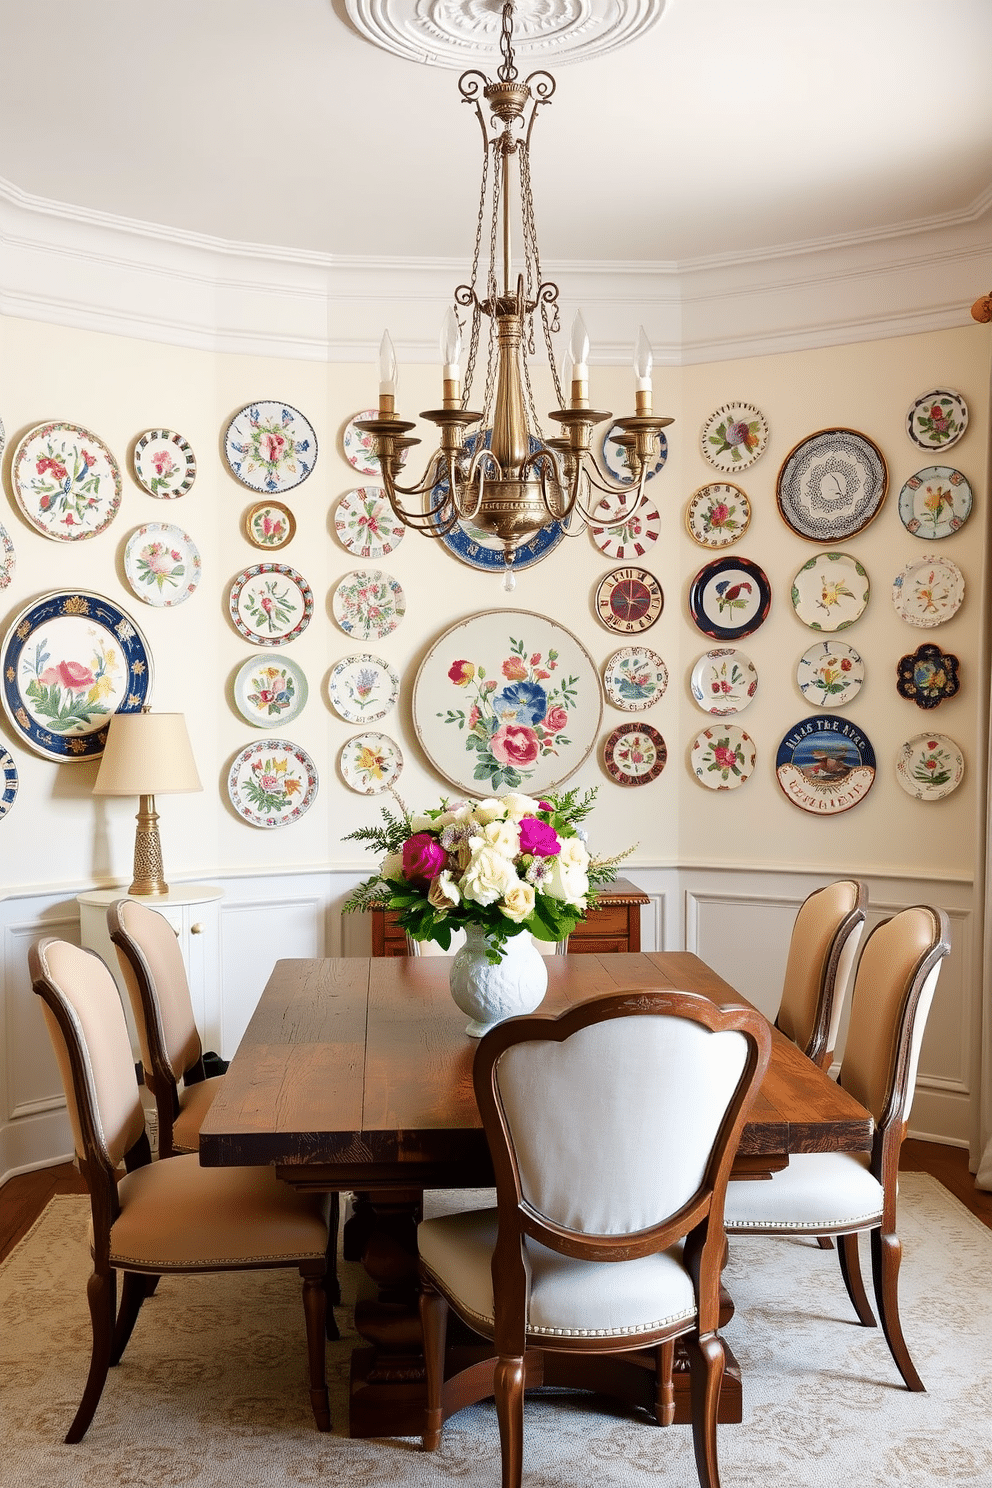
<point>489,810</point>
<point>518,805</point>
<point>421,824</point>
<point>566,882</point>
<point>444,893</point>
<point>504,836</point>
<point>488,876</point>
<point>457,813</point>
<point>518,902</point>
<point>392,868</point>
<point>573,854</point>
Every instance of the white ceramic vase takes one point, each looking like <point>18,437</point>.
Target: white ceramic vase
<point>488,993</point>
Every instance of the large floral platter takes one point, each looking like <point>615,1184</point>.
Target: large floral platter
<point>935,502</point>
<point>507,700</point>
<point>164,463</point>
<point>368,603</point>
<point>70,661</point>
<point>365,523</point>
<point>825,765</point>
<point>66,481</point>
<point>929,767</point>
<point>363,688</point>
<point>831,485</point>
<point>162,564</point>
<point>272,783</point>
<point>270,447</point>
<point>270,604</point>
<point>268,692</point>
<point>8,772</point>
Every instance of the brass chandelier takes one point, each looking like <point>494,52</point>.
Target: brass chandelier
<point>511,482</point>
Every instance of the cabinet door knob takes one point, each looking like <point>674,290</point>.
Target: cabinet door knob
<point>196,929</point>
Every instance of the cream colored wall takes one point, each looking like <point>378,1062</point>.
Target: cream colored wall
<point>58,835</point>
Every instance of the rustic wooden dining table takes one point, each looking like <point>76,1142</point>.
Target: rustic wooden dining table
<point>355,1076</point>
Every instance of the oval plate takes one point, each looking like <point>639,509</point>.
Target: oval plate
<point>164,463</point>
<point>825,765</point>
<point>722,757</point>
<point>270,447</point>
<point>267,691</point>
<point>830,674</point>
<point>8,770</point>
<point>635,678</point>
<point>634,754</point>
<point>70,661</point>
<point>365,524</point>
<point>66,481</point>
<point>270,604</point>
<point>371,763</point>
<point>626,536</point>
<point>362,689</point>
<point>929,767</point>
<point>937,420</point>
<point>935,502</point>
<point>269,524</point>
<point>831,485</point>
<point>368,603</point>
<point>927,676</point>
<point>718,515</point>
<point>272,783</point>
<point>928,592</point>
<point>734,436</point>
<point>723,681</point>
<point>729,598</point>
<point>615,456</point>
<point>162,564</point>
<point>830,591</point>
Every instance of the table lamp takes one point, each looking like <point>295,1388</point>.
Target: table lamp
<point>147,754</point>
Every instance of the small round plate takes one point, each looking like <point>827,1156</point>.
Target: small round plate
<point>365,524</point>
<point>935,503</point>
<point>359,446</point>
<point>66,481</point>
<point>722,757</point>
<point>162,564</point>
<point>635,678</point>
<point>831,485</point>
<point>629,600</point>
<point>723,681</point>
<point>621,532</point>
<point>927,676</point>
<point>928,592</point>
<point>164,463</point>
<point>615,456</point>
<point>718,515</point>
<point>634,754</point>
<point>269,524</point>
<point>830,591</point>
<point>830,674</point>
<point>368,603</point>
<point>363,688</point>
<point>8,558</point>
<point>929,767</point>
<point>825,765</point>
<point>267,691</point>
<point>729,598</point>
<point>272,783</point>
<point>8,774</point>
<point>937,420</point>
<point>270,604</point>
<point>734,436</point>
<point>270,446</point>
<point>370,763</point>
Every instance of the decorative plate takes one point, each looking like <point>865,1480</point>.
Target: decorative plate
<point>724,681</point>
<point>505,700</point>
<point>937,420</point>
<point>629,599</point>
<point>734,436</point>
<point>635,678</point>
<point>927,676</point>
<point>717,515</point>
<point>480,549</point>
<point>634,754</point>
<point>830,674</point>
<point>370,763</point>
<point>363,688</point>
<point>3,438</point>
<point>272,783</point>
<point>831,485</point>
<point>622,533</point>
<point>268,691</point>
<point>164,463</point>
<point>615,456</point>
<point>929,767</point>
<point>162,564</point>
<point>66,481</point>
<point>7,767</point>
<point>935,502</point>
<point>830,591</point>
<point>368,603</point>
<point>365,524</point>
<point>269,524</point>
<point>359,446</point>
<point>270,604</point>
<point>8,558</point>
<point>70,661</point>
<point>729,598</point>
<point>270,447</point>
<point>825,765</point>
<point>722,757</point>
<point>928,592</point>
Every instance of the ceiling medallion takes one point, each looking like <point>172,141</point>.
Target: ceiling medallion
<point>451,33</point>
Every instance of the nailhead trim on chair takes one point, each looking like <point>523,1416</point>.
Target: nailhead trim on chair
<point>676,1317</point>
<point>806,1227</point>
<point>146,1263</point>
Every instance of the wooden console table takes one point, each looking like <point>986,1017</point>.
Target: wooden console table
<point>612,925</point>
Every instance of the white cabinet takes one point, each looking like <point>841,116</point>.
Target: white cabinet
<point>193,911</point>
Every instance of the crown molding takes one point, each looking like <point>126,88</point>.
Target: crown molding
<point>81,268</point>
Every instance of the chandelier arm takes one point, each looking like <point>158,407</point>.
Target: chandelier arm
<point>604,482</point>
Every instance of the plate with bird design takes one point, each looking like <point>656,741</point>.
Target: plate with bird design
<point>729,597</point>
<point>830,591</point>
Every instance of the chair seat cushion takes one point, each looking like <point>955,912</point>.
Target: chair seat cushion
<point>818,1192</point>
<point>176,1215</point>
<point>568,1298</point>
<point>194,1103</point>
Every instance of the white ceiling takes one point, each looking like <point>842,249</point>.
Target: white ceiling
<point>729,128</point>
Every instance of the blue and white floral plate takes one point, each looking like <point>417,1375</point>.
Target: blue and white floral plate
<point>270,447</point>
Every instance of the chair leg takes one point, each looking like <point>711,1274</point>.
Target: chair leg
<point>509,1382</point>
<point>332,1284</point>
<point>850,1268</point>
<point>434,1325</point>
<point>886,1256</point>
<point>664,1398</point>
<point>824,1242</point>
<point>707,1359</point>
<point>134,1289</point>
<point>101,1293</point>
<point>315,1312</point>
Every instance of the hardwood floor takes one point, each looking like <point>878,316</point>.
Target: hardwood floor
<point>23,1198</point>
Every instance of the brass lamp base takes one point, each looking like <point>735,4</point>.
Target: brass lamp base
<point>149,873</point>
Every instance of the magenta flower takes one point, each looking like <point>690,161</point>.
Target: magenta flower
<point>538,838</point>
<point>423,858</point>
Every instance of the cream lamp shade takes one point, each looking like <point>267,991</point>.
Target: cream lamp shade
<point>147,754</point>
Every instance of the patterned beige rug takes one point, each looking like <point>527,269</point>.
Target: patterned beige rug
<point>212,1392</point>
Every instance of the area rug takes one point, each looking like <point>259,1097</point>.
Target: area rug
<point>212,1390</point>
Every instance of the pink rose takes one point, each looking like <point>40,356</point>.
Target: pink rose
<point>555,719</point>
<point>423,858</point>
<point>461,673</point>
<point>74,675</point>
<point>725,758</point>
<point>538,838</point>
<point>514,744</point>
<point>272,446</point>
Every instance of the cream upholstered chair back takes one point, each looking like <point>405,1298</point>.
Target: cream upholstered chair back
<point>149,953</point>
<point>822,951</point>
<point>85,1019</point>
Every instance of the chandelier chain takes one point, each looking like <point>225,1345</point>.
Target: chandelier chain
<point>507,72</point>
<point>473,281</point>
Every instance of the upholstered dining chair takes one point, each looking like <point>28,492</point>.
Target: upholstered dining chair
<point>840,1193</point>
<point>604,1240</point>
<point>822,951</point>
<point>160,1218</point>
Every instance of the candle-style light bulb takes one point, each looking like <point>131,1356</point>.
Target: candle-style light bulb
<point>643,362</point>
<point>387,367</point>
<point>567,373</point>
<point>451,345</point>
<point>578,347</point>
